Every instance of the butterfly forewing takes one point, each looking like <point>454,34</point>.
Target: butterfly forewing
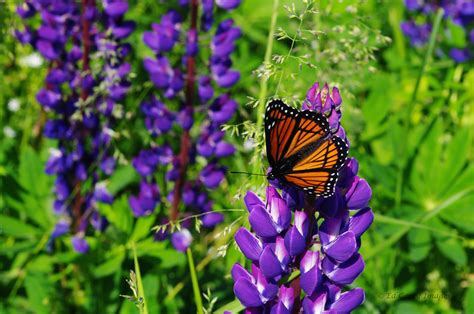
<point>300,148</point>
<point>312,127</point>
<point>287,130</point>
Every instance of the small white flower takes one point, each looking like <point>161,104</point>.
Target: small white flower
<point>9,132</point>
<point>249,145</point>
<point>13,104</point>
<point>33,60</point>
<point>55,153</point>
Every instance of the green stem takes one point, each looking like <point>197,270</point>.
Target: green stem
<point>141,292</point>
<point>264,83</point>
<point>409,110</point>
<point>194,280</point>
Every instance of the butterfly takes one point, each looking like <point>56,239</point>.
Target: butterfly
<point>301,149</point>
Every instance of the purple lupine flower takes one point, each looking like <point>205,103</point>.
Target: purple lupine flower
<point>460,12</point>
<point>80,244</point>
<point>284,237</point>
<point>192,98</point>
<point>83,133</point>
<point>419,34</point>
<point>181,240</point>
<point>147,199</point>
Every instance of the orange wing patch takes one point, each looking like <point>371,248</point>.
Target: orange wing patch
<point>326,156</point>
<point>309,131</point>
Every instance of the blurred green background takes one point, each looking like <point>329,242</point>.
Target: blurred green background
<point>410,127</point>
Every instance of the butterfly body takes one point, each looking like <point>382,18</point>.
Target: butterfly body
<point>301,149</point>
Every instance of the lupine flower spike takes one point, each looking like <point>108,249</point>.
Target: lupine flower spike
<point>317,237</point>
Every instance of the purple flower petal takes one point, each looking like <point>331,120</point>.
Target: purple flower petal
<point>116,9</point>
<point>247,293</point>
<point>342,248</point>
<point>361,221</point>
<point>79,244</point>
<point>311,276</point>
<point>224,149</point>
<point>349,300</point>
<point>359,194</point>
<point>248,244</point>
<point>212,219</point>
<point>269,263</point>
<point>295,242</point>
<point>262,223</point>
<point>239,272</point>
<point>314,304</point>
<point>251,201</point>
<point>345,273</point>
<point>228,4</point>
<point>181,240</point>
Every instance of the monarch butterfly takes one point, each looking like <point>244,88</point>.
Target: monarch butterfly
<point>301,149</point>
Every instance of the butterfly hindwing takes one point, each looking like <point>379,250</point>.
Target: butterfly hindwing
<point>300,148</point>
<point>331,154</point>
<point>317,172</point>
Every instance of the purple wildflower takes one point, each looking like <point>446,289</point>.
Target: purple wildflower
<point>461,12</point>
<point>189,100</point>
<point>82,114</point>
<point>286,231</point>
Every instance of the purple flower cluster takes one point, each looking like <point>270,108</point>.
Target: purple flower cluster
<point>81,105</point>
<point>317,237</point>
<point>461,12</point>
<point>189,95</point>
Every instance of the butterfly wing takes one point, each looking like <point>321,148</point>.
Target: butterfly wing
<point>288,130</point>
<point>317,172</point>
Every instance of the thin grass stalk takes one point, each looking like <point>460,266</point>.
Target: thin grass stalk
<point>194,280</point>
<point>141,291</point>
<point>264,83</point>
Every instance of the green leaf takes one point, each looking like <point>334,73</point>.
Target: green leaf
<point>420,244</point>
<point>455,158</point>
<point>17,228</point>
<point>151,292</point>
<point>142,228</point>
<point>457,35</point>
<point>469,300</point>
<point>453,250</point>
<point>169,257</point>
<point>14,248</point>
<point>408,307</point>
<point>460,214</point>
<point>121,178</point>
<point>118,214</point>
<point>31,175</point>
<point>38,291</point>
<point>423,176</point>
<point>233,307</point>
<point>112,265</point>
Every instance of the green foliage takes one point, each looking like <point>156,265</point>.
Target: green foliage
<point>409,118</point>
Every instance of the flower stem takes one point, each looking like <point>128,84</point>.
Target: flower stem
<point>185,139</point>
<point>196,291</point>
<point>85,24</point>
<point>409,110</point>
<point>264,83</point>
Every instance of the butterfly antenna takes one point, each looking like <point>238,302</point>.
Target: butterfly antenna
<point>248,173</point>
